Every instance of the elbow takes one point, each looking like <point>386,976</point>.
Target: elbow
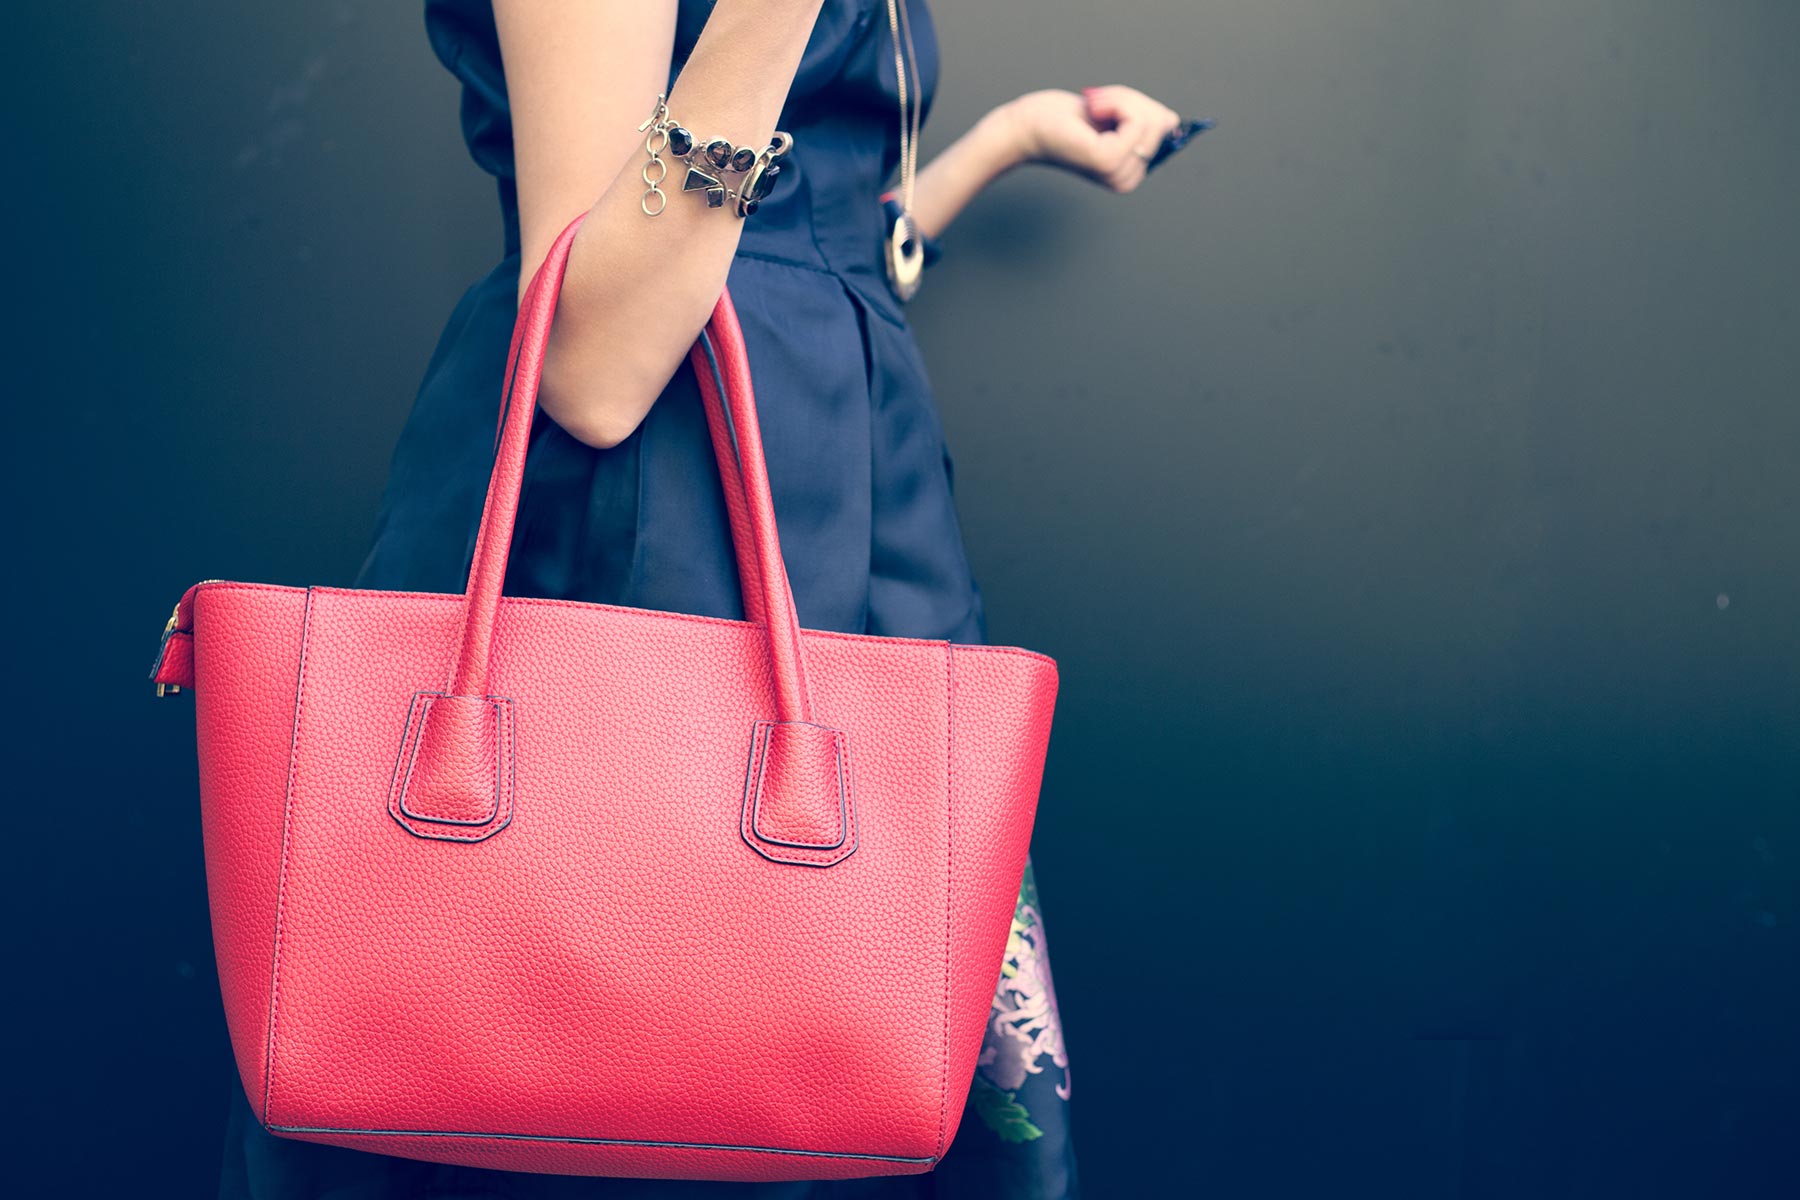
<point>595,426</point>
<point>593,417</point>
<point>602,435</point>
<point>598,391</point>
<point>601,439</point>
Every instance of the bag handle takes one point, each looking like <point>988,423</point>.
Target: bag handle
<point>724,451</point>
<point>453,779</point>
<point>721,365</point>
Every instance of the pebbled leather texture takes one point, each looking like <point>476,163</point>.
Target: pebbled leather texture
<point>553,886</point>
<point>798,805</point>
<point>465,794</point>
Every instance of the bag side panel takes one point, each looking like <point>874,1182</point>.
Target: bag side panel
<point>246,648</point>
<point>1002,703</point>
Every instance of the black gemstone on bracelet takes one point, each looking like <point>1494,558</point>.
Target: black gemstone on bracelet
<point>750,207</point>
<point>718,151</point>
<point>764,183</point>
<point>744,159</point>
<point>681,141</point>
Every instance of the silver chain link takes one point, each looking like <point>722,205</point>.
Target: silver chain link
<point>655,142</point>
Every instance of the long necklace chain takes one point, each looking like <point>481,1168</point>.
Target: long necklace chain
<point>906,63</point>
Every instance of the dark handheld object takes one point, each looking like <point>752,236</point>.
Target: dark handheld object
<point>1176,138</point>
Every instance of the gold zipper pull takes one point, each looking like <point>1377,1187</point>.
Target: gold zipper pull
<point>168,689</point>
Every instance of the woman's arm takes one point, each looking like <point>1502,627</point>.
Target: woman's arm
<point>580,77</point>
<point>1104,133</point>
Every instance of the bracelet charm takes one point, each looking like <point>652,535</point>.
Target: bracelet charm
<point>708,164</point>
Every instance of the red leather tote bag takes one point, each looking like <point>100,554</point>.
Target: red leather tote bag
<point>564,887</point>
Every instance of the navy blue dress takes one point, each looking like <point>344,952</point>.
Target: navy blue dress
<point>862,489</point>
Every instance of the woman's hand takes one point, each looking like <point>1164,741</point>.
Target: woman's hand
<point>1108,134</point>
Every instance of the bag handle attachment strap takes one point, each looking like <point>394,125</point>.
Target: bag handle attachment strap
<point>454,779</point>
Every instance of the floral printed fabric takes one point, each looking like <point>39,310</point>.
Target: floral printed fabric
<point>1014,1142</point>
<point>1025,1030</point>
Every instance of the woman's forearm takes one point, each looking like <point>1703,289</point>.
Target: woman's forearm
<point>945,186</point>
<point>638,289</point>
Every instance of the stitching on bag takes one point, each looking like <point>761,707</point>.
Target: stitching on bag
<point>1010,651</point>
<point>627,1143</point>
<point>552,602</point>
<point>949,873</point>
<point>658,613</point>
<point>416,738</point>
<point>798,857</point>
<point>766,733</point>
<point>227,586</point>
<point>504,817</point>
<point>843,822</point>
<point>287,825</point>
<point>506,793</point>
<point>222,585</point>
<point>406,737</point>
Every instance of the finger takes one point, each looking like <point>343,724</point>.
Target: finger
<point>1129,176</point>
<point>1135,128</point>
<point>1105,105</point>
<point>1083,148</point>
<point>1140,129</point>
<point>1171,134</point>
<point>1120,166</point>
<point>1130,108</point>
<point>1137,167</point>
<point>1113,152</point>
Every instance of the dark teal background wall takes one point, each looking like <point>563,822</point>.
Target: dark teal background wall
<point>1405,480</point>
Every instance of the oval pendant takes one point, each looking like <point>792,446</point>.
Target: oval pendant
<point>905,256</point>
